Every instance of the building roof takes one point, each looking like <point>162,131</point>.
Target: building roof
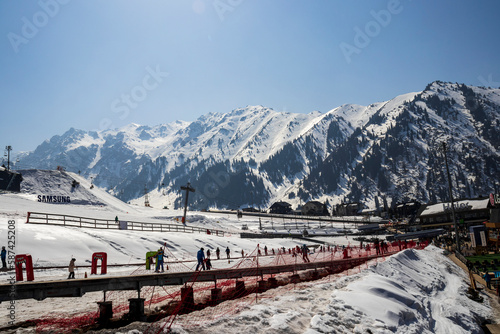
<point>281,204</point>
<point>314,203</point>
<point>400,205</point>
<point>419,234</point>
<point>468,204</point>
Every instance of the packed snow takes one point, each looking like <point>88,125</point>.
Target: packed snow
<point>414,291</point>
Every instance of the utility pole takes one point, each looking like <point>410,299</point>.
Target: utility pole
<point>146,196</point>
<point>187,188</point>
<point>8,149</point>
<point>457,239</point>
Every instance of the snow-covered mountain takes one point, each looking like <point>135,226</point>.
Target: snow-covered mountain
<point>383,153</point>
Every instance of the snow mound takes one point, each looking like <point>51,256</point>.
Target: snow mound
<point>58,184</point>
<point>415,291</point>
<point>412,292</point>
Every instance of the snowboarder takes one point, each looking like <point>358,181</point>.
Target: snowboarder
<point>4,256</point>
<point>227,252</point>
<point>217,252</point>
<point>71,268</point>
<point>201,259</point>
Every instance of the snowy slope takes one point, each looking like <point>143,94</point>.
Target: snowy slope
<point>412,292</point>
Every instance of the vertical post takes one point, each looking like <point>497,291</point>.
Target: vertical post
<point>457,238</point>
<point>8,148</point>
<point>187,188</point>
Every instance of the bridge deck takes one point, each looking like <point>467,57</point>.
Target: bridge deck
<point>78,287</point>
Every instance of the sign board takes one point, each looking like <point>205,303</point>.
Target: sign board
<point>478,235</point>
<point>53,199</point>
<point>457,206</point>
<point>483,238</point>
<point>122,225</point>
<point>495,215</point>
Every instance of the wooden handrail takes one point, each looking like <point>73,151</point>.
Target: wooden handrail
<point>85,222</point>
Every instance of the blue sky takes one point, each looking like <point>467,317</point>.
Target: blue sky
<point>98,64</point>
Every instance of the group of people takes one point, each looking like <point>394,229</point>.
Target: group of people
<point>158,259</point>
<point>205,263</point>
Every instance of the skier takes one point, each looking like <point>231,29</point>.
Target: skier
<point>305,252</point>
<point>201,259</point>
<point>159,260</point>
<point>217,252</point>
<point>208,263</point>
<point>4,256</point>
<point>227,252</point>
<point>345,252</point>
<point>71,268</point>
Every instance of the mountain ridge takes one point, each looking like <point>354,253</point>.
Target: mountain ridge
<point>385,152</point>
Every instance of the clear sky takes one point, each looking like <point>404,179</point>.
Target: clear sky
<point>93,64</point>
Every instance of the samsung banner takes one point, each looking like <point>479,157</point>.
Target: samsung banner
<point>53,199</point>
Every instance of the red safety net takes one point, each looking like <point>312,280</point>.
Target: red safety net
<point>196,303</point>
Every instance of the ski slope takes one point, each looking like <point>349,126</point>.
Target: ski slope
<point>411,292</point>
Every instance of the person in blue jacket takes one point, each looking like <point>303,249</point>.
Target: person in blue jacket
<point>201,259</point>
<point>159,260</point>
<point>487,279</point>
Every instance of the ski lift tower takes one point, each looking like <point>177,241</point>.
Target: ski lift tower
<point>7,154</point>
<point>187,188</point>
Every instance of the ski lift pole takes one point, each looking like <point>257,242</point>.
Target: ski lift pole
<point>187,188</point>
<point>455,223</point>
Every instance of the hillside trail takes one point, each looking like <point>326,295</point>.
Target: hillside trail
<point>493,298</point>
